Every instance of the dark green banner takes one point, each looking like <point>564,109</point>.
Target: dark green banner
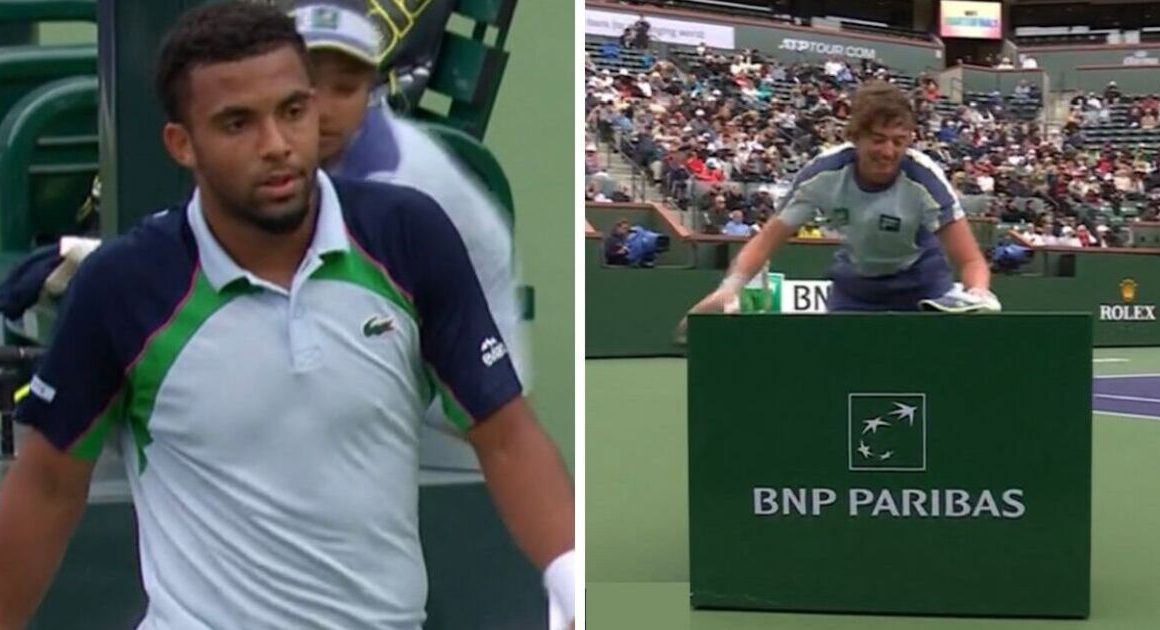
<point>853,463</point>
<point>632,312</point>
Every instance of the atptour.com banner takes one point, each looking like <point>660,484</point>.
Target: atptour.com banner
<point>793,44</point>
<point>681,32</point>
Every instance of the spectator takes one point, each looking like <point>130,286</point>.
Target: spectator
<point>1068,238</point>
<point>1022,91</point>
<point>616,245</point>
<point>1105,237</point>
<point>930,90</point>
<point>1150,104</point>
<point>639,33</point>
<point>736,225</point>
<point>1085,237</point>
<point>717,213</point>
<point>621,194</point>
<point>809,230</point>
<point>592,160</point>
<point>833,66</point>
<point>1112,93</point>
<point>1135,115</point>
<point>593,193</point>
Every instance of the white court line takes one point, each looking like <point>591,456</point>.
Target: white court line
<point>1128,376</point>
<point>1133,398</point>
<point>1110,360</point>
<point>1125,415</point>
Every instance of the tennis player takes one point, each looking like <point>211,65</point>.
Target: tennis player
<point>360,138</point>
<point>899,218</point>
<point>263,355</point>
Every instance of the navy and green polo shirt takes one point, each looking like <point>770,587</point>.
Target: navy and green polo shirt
<point>271,435</point>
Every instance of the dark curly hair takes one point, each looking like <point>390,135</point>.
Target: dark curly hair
<point>220,32</point>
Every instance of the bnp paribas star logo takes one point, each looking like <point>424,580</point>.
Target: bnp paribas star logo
<point>887,432</point>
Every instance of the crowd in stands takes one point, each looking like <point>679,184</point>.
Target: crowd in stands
<point>721,134</point>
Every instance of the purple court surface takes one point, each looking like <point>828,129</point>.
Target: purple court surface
<point>1136,395</point>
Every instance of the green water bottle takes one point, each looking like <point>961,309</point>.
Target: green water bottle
<point>763,293</point>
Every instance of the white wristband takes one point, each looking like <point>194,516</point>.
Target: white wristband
<point>560,581</point>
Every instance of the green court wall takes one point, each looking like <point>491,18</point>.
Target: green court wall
<point>633,312</point>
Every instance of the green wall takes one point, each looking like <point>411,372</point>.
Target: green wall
<point>1060,62</point>
<point>633,312</point>
<point>1130,79</point>
<point>986,80</point>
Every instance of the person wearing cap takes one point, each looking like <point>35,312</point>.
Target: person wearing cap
<point>262,355</point>
<point>1112,93</point>
<point>362,138</point>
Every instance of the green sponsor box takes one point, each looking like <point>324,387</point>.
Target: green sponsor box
<point>910,463</point>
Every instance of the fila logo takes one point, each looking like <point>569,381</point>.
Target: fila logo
<point>491,351</point>
<point>42,390</point>
<point>887,223</point>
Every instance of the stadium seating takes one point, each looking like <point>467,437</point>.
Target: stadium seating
<point>609,55</point>
<point>48,159</point>
<point>1018,109</point>
<point>25,68</point>
<point>1119,212</point>
<point>1116,130</point>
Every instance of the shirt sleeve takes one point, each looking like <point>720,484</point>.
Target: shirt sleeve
<point>799,206</point>
<point>77,393</point>
<point>945,207</point>
<point>941,216</point>
<point>462,345</point>
<point>487,234</point>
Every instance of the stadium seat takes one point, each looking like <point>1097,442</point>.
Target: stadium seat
<point>25,68</point>
<point>48,159</point>
<point>986,233</point>
<point>975,205</point>
<point>1145,235</point>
